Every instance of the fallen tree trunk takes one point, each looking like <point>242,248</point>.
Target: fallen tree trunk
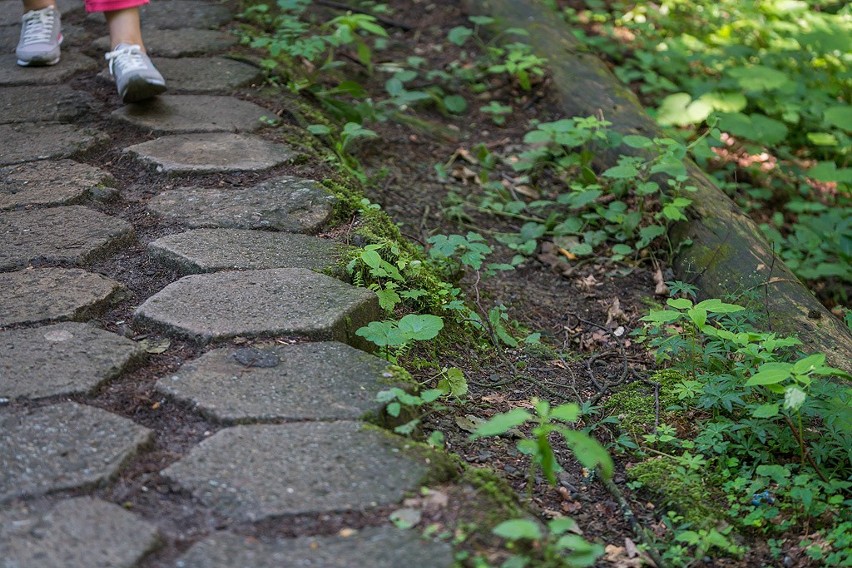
<point>728,255</point>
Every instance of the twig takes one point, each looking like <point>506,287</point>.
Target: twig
<point>383,19</point>
<point>640,531</point>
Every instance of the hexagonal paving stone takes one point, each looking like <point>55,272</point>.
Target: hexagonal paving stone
<point>12,74</point>
<point>76,533</point>
<point>63,446</point>
<point>251,303</point>
<point>177,14</point>
<point>28,142</point>
<point>210,153</point>
<point>55,103</point>
<point>284,204</point>
<point>32,235</point>
<point>60,182</point>
<point>207,74</point>
<point>193,113</point>
<point>213,250</point>
<point>178,43</point>
<point>258,472</point>
<point>307,381</point>
<point>65,358</point>
<point>54,294</point>
<point>376,547</point>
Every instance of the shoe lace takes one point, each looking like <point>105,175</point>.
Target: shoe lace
<point>38,26</point>
<point>127,57</point>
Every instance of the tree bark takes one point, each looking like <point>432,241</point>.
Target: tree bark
<point>727,256</point>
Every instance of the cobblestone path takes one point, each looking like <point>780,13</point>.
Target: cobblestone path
<point>155,408</point>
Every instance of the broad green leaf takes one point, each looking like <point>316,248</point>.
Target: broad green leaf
<point>459,35</point>
<point>766,410</point>
<point>758,78</point>
<point>839,116</point>
<point>822,139</point>
<point>566,412</point>
<point>717,306</point>
<point>777,472</point>
<point>635,141</point>
<point>724,101</point>
<point>622,249</point>
<point>623,171</point>
<point>680,303</point>
<point>588,451</point>
<point>421,327</point>
<point>698,316</point>
<point>828,171</point>
<point>518,529</point>
<point>319,129</point>
<point>581,249</point>
<point>455,104</point>
<point>502,423</point>
<point>562,525</point>
<point>662,316</point>
<point>770,373</point>
<point>679,109</point>
<point>809,363</point>
<point>454,382</point>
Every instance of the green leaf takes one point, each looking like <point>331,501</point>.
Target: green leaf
<point>455,104</point>
<point>518,529</point>
<point>622,171</point>
<point>828,171</point>
<point>502,423</point>
<point>454,383</point>
<point>808,364</point>
<point>679,109</point>
<point>717,306</point>
<point>566,412</point>
<point>698,316</point>
<point>662,316</point>
<point>758,78</point>
<point>421,327</point>
<point>635,141</point>
<point>794,398</point>
<point>680,303</point>
<point>822,139</point>
<point>770,373</point>
<point>319,129</point>
<point>407,428</point>
<point>724,101</point>
<point>766,410</point>
<point>588,451</point>
<point>778,473</point>
<point>581,249</point>
<point>459,35</point>
<point>839,116</point>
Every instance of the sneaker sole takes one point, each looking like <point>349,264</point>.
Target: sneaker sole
<point>140,90</point>
<point>37,63</point>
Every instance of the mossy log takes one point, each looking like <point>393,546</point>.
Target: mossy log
<point>728,255</point>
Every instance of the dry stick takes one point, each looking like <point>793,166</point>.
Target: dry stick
<point>379,17</point>
<point>640,531</point>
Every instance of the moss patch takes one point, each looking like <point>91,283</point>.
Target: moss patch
<point>685,492</point>
<point>635,403</point>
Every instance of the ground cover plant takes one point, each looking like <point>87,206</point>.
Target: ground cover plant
<point>758,441</point>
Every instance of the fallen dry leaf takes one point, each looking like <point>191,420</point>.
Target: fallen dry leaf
<point>614,314</point>
<point>661,289</point>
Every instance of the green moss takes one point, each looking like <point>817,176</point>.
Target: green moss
<point>687,493</point>
<point>501,496</point>
<point>443,467</point>
<point>634,404</point>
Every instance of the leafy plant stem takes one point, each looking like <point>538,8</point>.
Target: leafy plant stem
<point>806,455</point>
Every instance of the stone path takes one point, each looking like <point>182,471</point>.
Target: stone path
<point>180,382</point>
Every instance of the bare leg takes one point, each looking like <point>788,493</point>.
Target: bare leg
<point>30,5</point>
<point>124,27</point>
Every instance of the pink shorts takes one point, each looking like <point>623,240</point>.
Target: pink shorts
<point>112,5</point>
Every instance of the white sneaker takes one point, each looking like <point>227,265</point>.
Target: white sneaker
<point>41,34</point>
<point>135,76</point>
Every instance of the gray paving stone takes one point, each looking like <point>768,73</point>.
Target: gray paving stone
<point>307,381</point>
<point>10,10</point>
<point>12,75</point>
<point>54,294</point>
<point>376,547</point>
<point>252,303</point>
<point>178,43</point>
<point>178,14</point>
<point>284,204</point>
<point>64,358</point>
<point>252,473</point>
<point>63,446</point>
<point>72,234</point>
<point>29,142</point>
<point>213,250</point>
<point>48,182</point>
<point>207,74</point>
<point>168,114</point>
<point>77,533</point>
<point>56,103</point>
<point>211,153</point>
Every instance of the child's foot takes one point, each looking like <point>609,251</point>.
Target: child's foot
<point>41,35</point>
<point>135,76</point>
